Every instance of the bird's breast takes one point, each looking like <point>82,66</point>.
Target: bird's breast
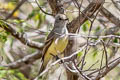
<point>59,44</point>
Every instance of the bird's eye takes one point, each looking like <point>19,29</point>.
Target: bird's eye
<point>60,18</point>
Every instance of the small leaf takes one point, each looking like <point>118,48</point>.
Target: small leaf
<point>97,29</point>
<point>84,28</point>
<point>95,53</point>
<point>115,40</point>
<point>79,54</point>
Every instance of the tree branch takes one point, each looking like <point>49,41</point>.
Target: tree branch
<point>110,16</point>
<point>106,70</point>
<point>42,9</point>
<point>56,6</point>
<point>17,7</point>
<point>26,60</point>
<point>20,36</point>
<point>87,13</point>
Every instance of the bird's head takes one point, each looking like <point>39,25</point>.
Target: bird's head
<point>61,19</point>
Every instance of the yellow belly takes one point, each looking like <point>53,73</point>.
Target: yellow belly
<point>57,47</point>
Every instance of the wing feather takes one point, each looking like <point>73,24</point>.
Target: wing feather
<point>48,42</point>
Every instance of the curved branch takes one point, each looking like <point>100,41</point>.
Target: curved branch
<point>20,36</point>
<point>55,6</point>
<point>86,14</point>
<point>110,16</point>
<point>42,9</point>
<point>24,61</point>
<point>106,70</point>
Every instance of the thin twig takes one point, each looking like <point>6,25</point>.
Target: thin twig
<point>16,8</point>
<point>83,75</point>
<point>20,36</point>
<point>106,56</point>
<point>92,65</point>
<point>26,60</point>
<point>42,9</point>
<point>110,63</point>
<point>88,38</point>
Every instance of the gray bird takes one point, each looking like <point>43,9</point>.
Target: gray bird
<point>56,41</point>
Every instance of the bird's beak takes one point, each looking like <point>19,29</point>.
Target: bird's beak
<point>66,19</point>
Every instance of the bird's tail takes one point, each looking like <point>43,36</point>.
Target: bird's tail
<point>42,67</point>
<point>45,62</point>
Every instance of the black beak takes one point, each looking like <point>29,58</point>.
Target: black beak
<point>66,19</point>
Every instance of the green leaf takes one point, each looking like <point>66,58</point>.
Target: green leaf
<point>33,13</point>
<point>20,76</point>
<point>3,73</point>
<point>2,68</point>
<point>115,40</point>
<point>97,29</point>
<point>3,38</point>
<point>95,52</point>
<point>85,26</point>
<point>3,24</point>
<point>79,54</point>
<point>11,71</point>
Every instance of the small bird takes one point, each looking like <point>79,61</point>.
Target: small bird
<point>56,41</point>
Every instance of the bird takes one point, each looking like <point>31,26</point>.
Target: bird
<point>56,41</point>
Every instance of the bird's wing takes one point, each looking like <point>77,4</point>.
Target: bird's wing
<point>48,42</point>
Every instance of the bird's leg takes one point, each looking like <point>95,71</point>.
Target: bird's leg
<point>56,57</point>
